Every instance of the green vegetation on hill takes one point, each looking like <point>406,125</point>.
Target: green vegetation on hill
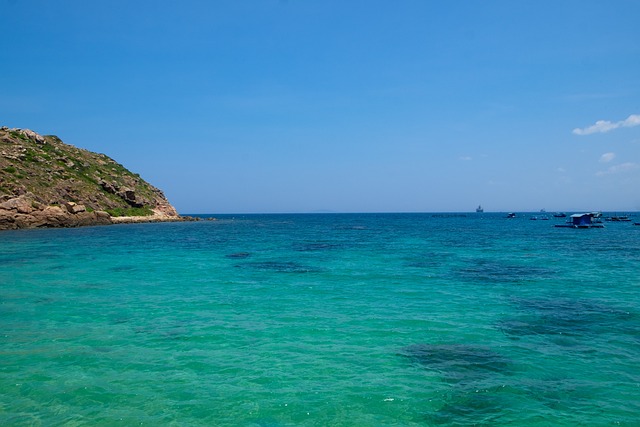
<point>130,212</point>
<point>57,173</point>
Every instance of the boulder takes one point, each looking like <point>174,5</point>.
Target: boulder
<point>21,204</point>
<point>74,208</point>
<point>51,216</point>
<point>25,212</point>
<point>111,188</point>
<point>7,220</point>
<point>35,137</point>
<point>132,199</point>
<point>103,217</point>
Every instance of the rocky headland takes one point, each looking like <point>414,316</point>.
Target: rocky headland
<point>47,183</point>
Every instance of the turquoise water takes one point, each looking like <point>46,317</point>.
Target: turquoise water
<point>321,320</point>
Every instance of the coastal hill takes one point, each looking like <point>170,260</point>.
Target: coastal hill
<point>47,183</point>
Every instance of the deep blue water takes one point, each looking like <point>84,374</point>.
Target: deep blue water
<point>322,320</point>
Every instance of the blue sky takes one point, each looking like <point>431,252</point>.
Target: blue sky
<point>346,106</point>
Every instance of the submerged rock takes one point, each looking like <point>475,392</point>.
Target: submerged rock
<point>568,317</point>
<point>494,272</point>
<point>278,266</point>
<point>238,255</point>
<point>458,362</point>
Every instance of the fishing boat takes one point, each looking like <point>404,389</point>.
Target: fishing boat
<point>541,218</point>
<point>621,218</point>
<point>479,209</point>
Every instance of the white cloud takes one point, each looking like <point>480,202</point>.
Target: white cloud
<point>623,167</point>
<point>607,157</point>
<point>561,170</point>
<point>631,121</point>
<point>602,126</point>
<point>466,158</point>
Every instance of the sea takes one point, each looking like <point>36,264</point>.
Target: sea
<point>322,320</point>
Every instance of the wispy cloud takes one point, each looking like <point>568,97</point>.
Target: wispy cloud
<point>623,167</point>
<point>607,157</point>
<point>602,126</point>
<point>466,158</point>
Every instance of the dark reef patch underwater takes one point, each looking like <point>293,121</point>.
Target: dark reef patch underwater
<point>487,271</point>
<point>238,255</point>
<point>316,246</point>
<point>458,363</point>
<point>467,369</point>
<point>569,317</point>
<point>277,266</point>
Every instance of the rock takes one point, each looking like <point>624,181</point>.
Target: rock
<point>166,209</point>
<point>26,212</point>
<point>37,138</point>
<point>108,187</point>
<point>83,219</point>
<point>21,204</point>
<point>54,216</point>
<point>7,220</point>
<point>102,215</point>
<point>132,199</point>
<point>129,195</point>
<point>74,208</point>
<point>51,216</point>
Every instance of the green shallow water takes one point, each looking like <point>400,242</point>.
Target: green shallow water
<point>321,320</point>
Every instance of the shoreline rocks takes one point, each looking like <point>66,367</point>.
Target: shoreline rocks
<point>26,212</point>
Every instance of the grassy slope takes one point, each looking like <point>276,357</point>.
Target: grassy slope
<point>56,172</point>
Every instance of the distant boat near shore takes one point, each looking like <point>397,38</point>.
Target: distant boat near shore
<point>583,220</point>
<point>541,218</point>
<point>618,218</point>
<point>479,209</point>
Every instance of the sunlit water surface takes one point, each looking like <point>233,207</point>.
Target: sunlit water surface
<point>322,320</point>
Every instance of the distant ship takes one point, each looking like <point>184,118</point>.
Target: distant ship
<point>479,209</point>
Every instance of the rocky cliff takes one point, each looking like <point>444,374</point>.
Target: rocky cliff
<point>47,183</point>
